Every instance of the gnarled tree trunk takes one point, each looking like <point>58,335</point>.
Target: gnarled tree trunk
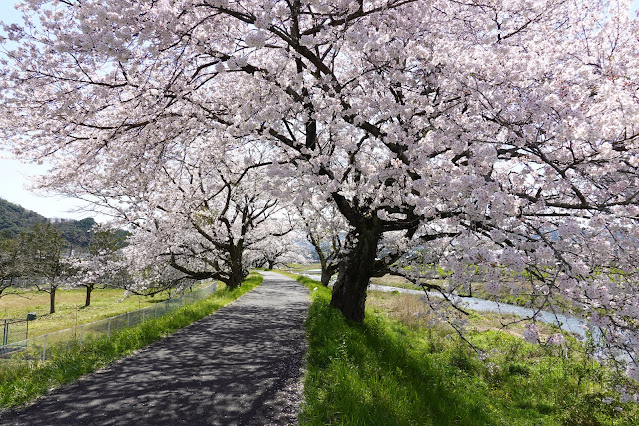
<point>355,271</point>
<point>237,271</point>
<point>236,275</point>
<point>326,276</point>
<point>328,270</point>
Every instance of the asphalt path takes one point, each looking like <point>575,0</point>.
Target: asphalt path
<point>239,366</point>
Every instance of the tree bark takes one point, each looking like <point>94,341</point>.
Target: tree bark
<point>355,270</point>
<point>236,275</point>
<point>234,281</point>
<point>87,300</point>
<point>328,270</point>
<point>52,299</point>
<point>326,277</point>
<point>327,264</point>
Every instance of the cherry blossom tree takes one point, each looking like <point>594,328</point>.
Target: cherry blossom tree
<point>478,135</point>
<point>325,229</point>
<point>204,220</point>
<point>225,237</point>
<point>102,267</point>
<point>41,250</point>
<point>279,248</point>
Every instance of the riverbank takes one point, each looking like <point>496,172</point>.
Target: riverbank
<point>568,323</point>
<point>400,369</point>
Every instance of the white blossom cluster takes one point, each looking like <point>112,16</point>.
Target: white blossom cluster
<point>496,138</point>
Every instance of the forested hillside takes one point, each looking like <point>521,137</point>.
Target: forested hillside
<point>15,218</point>
<point>76,232</point>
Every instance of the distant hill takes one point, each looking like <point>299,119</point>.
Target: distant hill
<point>15,218</point>
<point>76,232</point>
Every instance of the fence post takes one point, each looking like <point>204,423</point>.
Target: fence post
<point>44,348</point>
<point>81,332</point>
<point>127,319</point>
<point>109,328</point>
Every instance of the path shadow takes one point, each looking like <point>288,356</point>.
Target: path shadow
<point>240,366</point>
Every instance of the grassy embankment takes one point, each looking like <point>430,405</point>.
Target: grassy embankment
<point>21,380</point>
<point>395,369</point>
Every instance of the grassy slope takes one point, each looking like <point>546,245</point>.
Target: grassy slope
<point>383,372</point>
<point>21,381</point>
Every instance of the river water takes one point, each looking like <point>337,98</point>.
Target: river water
<point>567,323</point>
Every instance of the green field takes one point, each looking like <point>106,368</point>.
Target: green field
<point>70,310</point>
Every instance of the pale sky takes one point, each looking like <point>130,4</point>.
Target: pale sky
<point>14,175</point>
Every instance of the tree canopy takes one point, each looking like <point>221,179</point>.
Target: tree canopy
<point>479,136</point>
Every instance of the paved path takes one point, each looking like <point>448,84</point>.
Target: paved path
<point>239,366</point>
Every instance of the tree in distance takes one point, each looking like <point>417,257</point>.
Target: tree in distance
<point>204,219</point>
<point>41,254</point>
<point>325,229</point>
<point>103,266</point>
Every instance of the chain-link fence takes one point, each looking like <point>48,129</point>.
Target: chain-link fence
<point>12,331</point>
<point>38,347</point>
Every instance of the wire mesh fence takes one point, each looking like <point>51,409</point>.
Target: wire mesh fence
<point>12,331</point>
<point>39,347</point>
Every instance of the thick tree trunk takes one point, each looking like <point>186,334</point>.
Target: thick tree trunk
<point>52,299</point>
<point>326,277</point>
<point>87,300</point>
<point>355,270</point>
<point>235,280</point>
<point>235,262</point>
<point>271,264</point>
<point>236,275</point>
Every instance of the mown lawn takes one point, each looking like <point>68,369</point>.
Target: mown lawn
<point>70,308</point>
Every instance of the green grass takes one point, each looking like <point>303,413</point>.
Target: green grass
<point>384,372</point>
<point>70,308</point>
<point>22,380</point>
<point>299,267</point>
